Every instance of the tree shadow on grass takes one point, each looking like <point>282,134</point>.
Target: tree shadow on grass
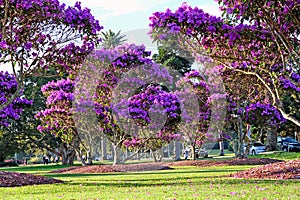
<point>36,168</point>
<point>173,182</point>
<point>162,172</point>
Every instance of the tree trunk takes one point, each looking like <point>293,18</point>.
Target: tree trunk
<point>153,155</point>
<point>103,148</point>
<point>240,146</point>
<point>117,155</point>
<point>177,150</point>
<point>271,140</point>
<point>221,144</point>
<point>193,152</point>
<point>160,155</point>
<point>89,158</point>
<point>67,154</point>
<point>157,157</point>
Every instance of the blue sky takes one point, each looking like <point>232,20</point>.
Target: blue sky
<point>132,16</point>
<point>128,15</point>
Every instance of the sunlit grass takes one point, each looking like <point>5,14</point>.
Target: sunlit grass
<point>179,183</point>
<point>278,155</point>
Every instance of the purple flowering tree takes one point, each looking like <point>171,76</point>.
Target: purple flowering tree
<point>266,119</point>
<point>57,119</point>
<point>95,86</point>
<point>37,35</point>
<point>8,86</point>
<point>194,125</point>
<point>156,112</point>
<point>249,107</point>
<point>257,38</point>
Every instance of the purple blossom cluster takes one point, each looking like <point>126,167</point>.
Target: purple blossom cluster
<point>168,136</point>
<point>133,143</point>
<point>209,30</point>
<point>288,84</point>
<point>258,112</point>
<point>285,11</point>
<point>8,86</point>
<point>48,33</point>
<point>192,18</point>
<point>64,85</point>
<point>132,55</point>
<point>57,119</point>
<point>140,103</point>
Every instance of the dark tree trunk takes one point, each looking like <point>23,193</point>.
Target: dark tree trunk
<point>239,145</point>
<point>177,150</point>
<point>67,153</point>
<point>193,152</point>
<point>157,157</point>
<point>103,148</point>
<point>271,140</point>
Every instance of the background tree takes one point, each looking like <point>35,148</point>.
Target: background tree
<point>10,115</point>
<point>110,39</point>
<point>196,113</point>
<point>27,134</point>
<point>95,93</point>
<point>167,57</point>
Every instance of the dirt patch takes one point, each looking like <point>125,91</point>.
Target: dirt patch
<point>232,162</point>
<point>110,168</point>
<point>13,179</point>
<point>279,170</point>
<point>162,166</point>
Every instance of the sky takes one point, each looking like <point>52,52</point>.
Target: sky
<point>128,15</point>
<point>132,16</point>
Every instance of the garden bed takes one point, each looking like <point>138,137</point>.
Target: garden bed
<point>13,179</point>
<point>279,170</point>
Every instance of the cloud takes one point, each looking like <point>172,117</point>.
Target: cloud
<point>119,7</point>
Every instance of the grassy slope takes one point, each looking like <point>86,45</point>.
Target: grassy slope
<point>181,183</point>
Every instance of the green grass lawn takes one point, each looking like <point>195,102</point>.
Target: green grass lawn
<point>278,155</point>
<point>180,183</point>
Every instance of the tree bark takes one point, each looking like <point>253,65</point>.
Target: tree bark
<point>157,157</point>
<point>67,154</point>
<point>221,144</point>
<point>153,155</point>
<point>240,140</point>
<point>177,150</point>
<point>117,155</point>
<point>103,147</point>
<point>193,152</point>
<point>271,140</point>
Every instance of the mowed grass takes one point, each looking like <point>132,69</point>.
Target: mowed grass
<point>179,183</point>
<point>278,155</point>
